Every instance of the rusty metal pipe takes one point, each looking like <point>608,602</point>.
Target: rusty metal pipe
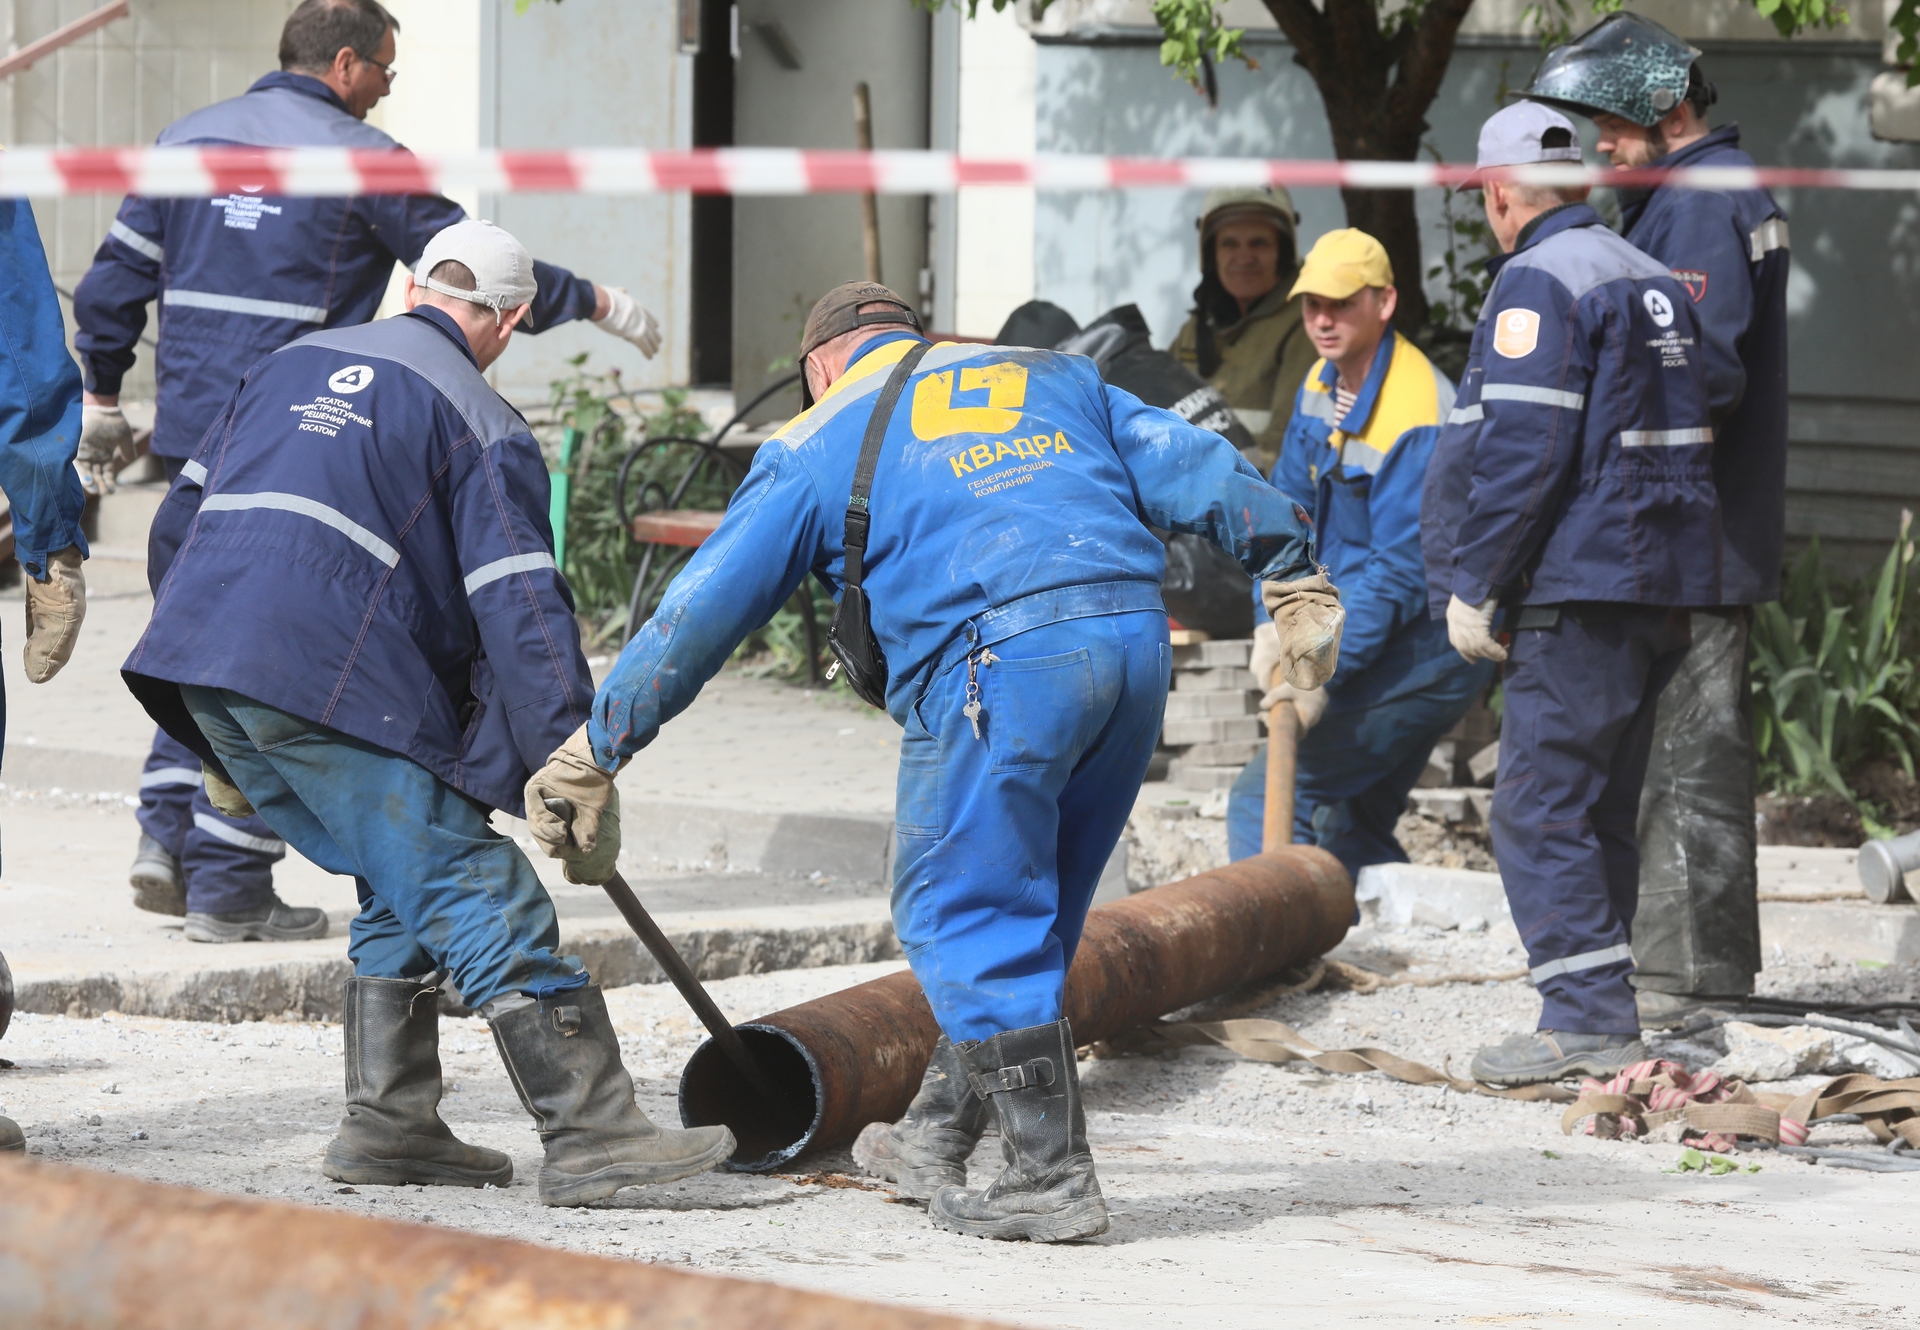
<point>81,1250</point>
<point>857,1056</point>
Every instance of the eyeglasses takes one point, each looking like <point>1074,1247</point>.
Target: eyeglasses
<point>388,72</point>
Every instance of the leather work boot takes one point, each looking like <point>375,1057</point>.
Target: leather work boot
<point>275,921</point>
<point>159,887</point>
<point>1553,1055</point>
<point>392,1133</point>
<point>12,1139</point>
<point>928,1148</point>
<point>564,1059</point>
<point>1048,1192</point>
<point>1670,1011</point>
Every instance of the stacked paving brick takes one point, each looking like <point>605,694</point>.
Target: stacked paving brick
<point>1212,728</point>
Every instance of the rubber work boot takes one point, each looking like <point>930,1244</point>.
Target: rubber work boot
<point>1669,1011</point>
<point>275,921</point>
<point>1048,1192</point>
<point>12,1139</point>
<point>564,1059</point>
<point>392,1133</point>
<point>928,1148</point>
<point>1554,1055</point>
<point>159,887</point>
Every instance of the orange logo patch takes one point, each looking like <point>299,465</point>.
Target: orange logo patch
<point>1516,332</point>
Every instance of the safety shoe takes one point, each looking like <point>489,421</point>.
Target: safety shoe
<point>928,1148</point>
<point>275,921</point>
<point>12,1139</point>
<point>1554,1055</point>
<point>159,887</point>
<point>392,1134</point>
<point>563,1058</point>
<point>1048,1191</point>
<point>1669,1011</point>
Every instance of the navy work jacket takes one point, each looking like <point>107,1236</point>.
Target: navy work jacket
<point>39,400</point>
<point>1577,463</point>
<point>362,541</point>
<point>242,275</point>
<point>1729,250</point>
<point>1014,489</point>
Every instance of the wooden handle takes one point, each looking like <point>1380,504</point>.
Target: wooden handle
<point>1283,733</point>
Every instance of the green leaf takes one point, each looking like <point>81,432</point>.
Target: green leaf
<point>1549,1154</point>
<point>1719,1166</point>
<point>1691,1160</point>
<point>1871,965</point>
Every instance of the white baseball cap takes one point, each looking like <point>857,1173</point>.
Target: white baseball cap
<point>501,267</point>
<point>1524,134</point>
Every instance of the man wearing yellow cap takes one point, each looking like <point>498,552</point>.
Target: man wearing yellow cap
<point>1363,428</point>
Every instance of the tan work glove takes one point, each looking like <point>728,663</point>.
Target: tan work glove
<point>225,795</point>
<point>1470,629</point>
<point>1309,704</point>
<point>105,438</point>
<point>55,608</point>
<point>587,843</point>
<point>1307,618</point>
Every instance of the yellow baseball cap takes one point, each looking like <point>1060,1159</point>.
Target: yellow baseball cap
<point>1340,263</point>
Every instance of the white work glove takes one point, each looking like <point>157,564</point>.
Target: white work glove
<point>1470,629</point>
<point>55,608</point>
<point>587,843</point>
<point>1307,620</point>
<point>628,318</point>
<point>105,437</point>
<point>1266,656</point>
<point>1309,704</point>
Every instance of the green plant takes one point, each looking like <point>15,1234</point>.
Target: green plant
<point>1833,675</point>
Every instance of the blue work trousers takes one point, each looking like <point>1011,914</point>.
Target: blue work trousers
<point>228,861</point>
<point>1354,770</point>
<point>1575,735</point>
<point>1002,837</point>
<point>440,889</point>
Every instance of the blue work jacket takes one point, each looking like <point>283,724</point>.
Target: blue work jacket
<point>362,541</point>
<point>39,401</point>
<point>1729,250</point>
<point>242,275</point>
<point>1365,480</point>
<point>1577,463</point>
<point>1015,489</point>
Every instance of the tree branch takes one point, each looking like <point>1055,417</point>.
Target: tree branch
<point>1306,27</point>
<point>1424,64</point>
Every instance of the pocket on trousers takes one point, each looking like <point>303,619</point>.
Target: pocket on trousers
<point>916,810</point>
<point>1036,709</point>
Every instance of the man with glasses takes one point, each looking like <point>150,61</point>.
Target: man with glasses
<point>238,277</point>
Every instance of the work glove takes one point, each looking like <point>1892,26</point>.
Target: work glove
<point>1309,704</point>
<point>585,835</point>
<point>105,438</point>
<point>224,794</point>
<point>55,608</point>
<point>627,318</point>
<point>1307,620</point>
<point>1470,629</point>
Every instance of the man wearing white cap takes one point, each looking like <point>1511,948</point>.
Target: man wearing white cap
<point>376,516</point>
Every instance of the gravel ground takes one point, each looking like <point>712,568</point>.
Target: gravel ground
<point>1241,1192</point>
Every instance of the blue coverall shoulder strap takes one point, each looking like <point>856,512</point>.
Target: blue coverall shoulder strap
<point>278,112</point>
<point>430,344</point>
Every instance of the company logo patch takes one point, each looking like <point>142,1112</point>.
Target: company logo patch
<point>1694,280</point>
<point>1516,332</point>
<point>1659,308</point>
<point>351,379</point>
<point>937,416</point>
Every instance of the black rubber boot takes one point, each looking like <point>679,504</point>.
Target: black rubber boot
<point>392,1134</point>
<point>1048,1192</point>
<point>928,1148</point>
<point>12,1139</point>
<point>564,1058</point>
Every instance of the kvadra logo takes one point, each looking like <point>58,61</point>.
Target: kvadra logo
<point>351,379</point>
<point>1659,307</point>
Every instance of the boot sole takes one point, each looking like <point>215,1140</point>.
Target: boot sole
<point>565,1190</point>
<point>158,895</point>
<point>1579,1064</point>
<point>1084,1219</point>
<point>365,1172</point>
<point>917,1184</point>
<point>207,930</point>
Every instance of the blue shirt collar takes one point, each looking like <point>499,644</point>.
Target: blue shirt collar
<point>1363,403</point>
<point>878,340</point>
<point>1549,223</point>
<point>305,84</point>
<point>1727,136</point>
<point>442,320</point>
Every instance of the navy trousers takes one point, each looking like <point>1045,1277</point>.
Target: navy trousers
<point>228,861</point>
<point>1002,837</point>
<point>1575,735</point>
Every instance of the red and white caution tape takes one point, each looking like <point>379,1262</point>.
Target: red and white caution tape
<point>196,172</point>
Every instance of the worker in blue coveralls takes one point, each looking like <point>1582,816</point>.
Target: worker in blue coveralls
<point>1570,503</point>
<point>39,433</point>
<point>409,653</point>
<point>1696,939</point>
<point>1005,551</point>
<point>1363,429</point>
<point>238,277</point>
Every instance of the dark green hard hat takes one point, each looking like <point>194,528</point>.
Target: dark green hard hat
<point>1624,65</point>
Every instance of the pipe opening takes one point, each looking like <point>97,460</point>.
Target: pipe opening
<point>714,1093</point>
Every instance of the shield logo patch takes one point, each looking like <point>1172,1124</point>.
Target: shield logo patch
<point>1516,332</point>
<point>1694,280</point>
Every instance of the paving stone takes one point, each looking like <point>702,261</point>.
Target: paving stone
<point>1192,706</point>
<point>1209,729</point>
<point>1222,680</point>
<point>1196,776</point>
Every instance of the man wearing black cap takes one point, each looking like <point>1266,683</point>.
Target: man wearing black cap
<point>999,528</point>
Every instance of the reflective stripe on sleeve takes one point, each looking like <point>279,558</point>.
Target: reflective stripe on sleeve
<point>1663,438</point>
<point>1520,392</point>
<point>1253,418</point>
<point>219,830</point>
<point>1767,237</point>
<point>193,471</point>
<point>162,777</point>
<point>1586,960</point>
<point>1464,415</point>
<point>265,309</point>
<point>499,568</point>
<point>136,242</point>
<point>319,512</point>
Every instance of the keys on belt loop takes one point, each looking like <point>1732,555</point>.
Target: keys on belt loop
<point>972,710</point>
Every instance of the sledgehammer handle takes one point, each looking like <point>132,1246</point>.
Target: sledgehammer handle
<point>1283,732</point>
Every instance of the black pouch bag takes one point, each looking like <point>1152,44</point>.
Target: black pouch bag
<point>850,635</point>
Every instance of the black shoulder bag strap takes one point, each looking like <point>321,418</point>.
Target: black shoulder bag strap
<point>850,635</point>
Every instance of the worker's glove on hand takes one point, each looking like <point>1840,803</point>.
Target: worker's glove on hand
<point>105,438</point>
<point>1266,656</point>
<point>1470,629</point>
<point>1307,619</point>
<point>1309,704</point>
<point>588,844</point>
<point>224,794</point>
<point>627,318</point>
<point>55,608</point>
